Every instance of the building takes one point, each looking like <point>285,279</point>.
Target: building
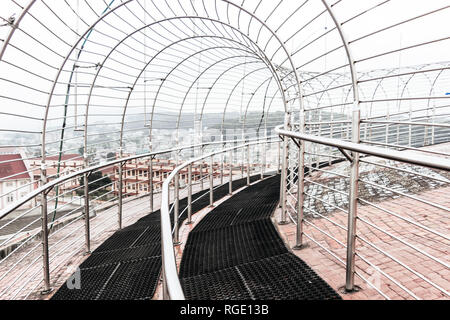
<point>15,179</point>
<point>68,164</point>
<point>136,175</point>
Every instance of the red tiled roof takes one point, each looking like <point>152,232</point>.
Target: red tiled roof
<point>10,168</point>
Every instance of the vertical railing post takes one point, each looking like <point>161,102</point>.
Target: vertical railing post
<point>201,170</point>
<point>165,292</point>
<point>150,183</point>
<point>44,240</point>
<point>222,160</point>
<point>242,160</point>
<point>86,214</point>
<point>230,183</point>
<point>279,156</point>
<point>284,169</point>
<point>300,195</point>
<point>263,160</point>
<point>352,216</point>
<point>119,218</point>
<point>211,183</point>
<point>176,212</point>
<point>189,205</point>
<point>248,165</point>
<point>354,174</point>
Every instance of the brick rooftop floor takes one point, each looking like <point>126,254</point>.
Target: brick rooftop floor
<point>398,244</point>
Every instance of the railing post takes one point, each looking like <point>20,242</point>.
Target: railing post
<point>263,160</point>
<point>230,183</point>
<point>201,170</point>
<point>279,156</point>
<point>150,183</point>
<point>165,292</point>
<point>44,240</point>
<point>189,194</point>
<point>300,195</point>
<point>211,183</point>
<point>351,232</point>
<point>242,161</point>
<point>119,218</point>
<point>86,214</point>
<point>248,165</point>
<point>222,159</point>
<point>176,212</point>
<point>283,191</point>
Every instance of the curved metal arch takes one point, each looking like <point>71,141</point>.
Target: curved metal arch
<point>101,18</point>
<point>58,74</point>
<point>231,93</point>
<point>268,62</point>
<point>175,68</point>
<point>215,81</point>
<point>428,105</point>
<point>138,77</point>
<point>281,43</point>
<point>356,125</point>
<point>14,27</point>
<point>283,46</point>
<point>159,89</point>
<point>264,111</point>
<point>405,87</point>
<point>250,100</point>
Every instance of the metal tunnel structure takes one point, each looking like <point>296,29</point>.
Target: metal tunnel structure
<point>157,96</point>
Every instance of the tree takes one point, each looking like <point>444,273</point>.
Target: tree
<point>96,181</point>
<point>110,156</point>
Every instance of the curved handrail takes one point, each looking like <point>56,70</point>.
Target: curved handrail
<point>48,186</point>
<point>171,282</point>
<point>403,156</point>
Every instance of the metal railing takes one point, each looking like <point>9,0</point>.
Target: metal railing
<point>170,236</point>
<point>49,237</point>
<point>305,194</point>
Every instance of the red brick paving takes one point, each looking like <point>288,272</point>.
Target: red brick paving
<point>333,271</point>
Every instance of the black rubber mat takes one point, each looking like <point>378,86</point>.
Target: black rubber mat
<point>235,252</point>
<point>127,265</point>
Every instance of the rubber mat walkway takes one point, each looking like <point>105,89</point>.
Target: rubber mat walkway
<point>235,252</point>
<point>128,264</point>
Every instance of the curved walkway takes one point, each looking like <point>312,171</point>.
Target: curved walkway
<point>127,265</point>
<point>235,253</point>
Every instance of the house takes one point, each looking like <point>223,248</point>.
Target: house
<point>15,179</point>
<point>58,166</point>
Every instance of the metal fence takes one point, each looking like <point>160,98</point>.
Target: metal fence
<point>357,229</point>
<point>49,237</point>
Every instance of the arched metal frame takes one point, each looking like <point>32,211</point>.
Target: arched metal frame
<point>255,34</point>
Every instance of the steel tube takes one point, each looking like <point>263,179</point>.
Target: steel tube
<point>211,183</point>
<point>230,182</point>
<point>86,215</point>
<point>189,205</point>
<point>176,212</point>
<point>284,174</point>
<point>150,183</point>
<point>248,165</point>
<point>300,195</point>
<point>44,241</point>
<point>120,201</point>
<point>402,156</point>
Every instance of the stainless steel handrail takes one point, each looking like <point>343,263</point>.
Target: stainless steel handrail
<point>171,283</point>
<point>48,186</point>
<point>408,157</point>
<point>403,156</point>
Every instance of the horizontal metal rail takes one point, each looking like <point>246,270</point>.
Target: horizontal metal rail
<point>402,156</point>
<point>408,157</point>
